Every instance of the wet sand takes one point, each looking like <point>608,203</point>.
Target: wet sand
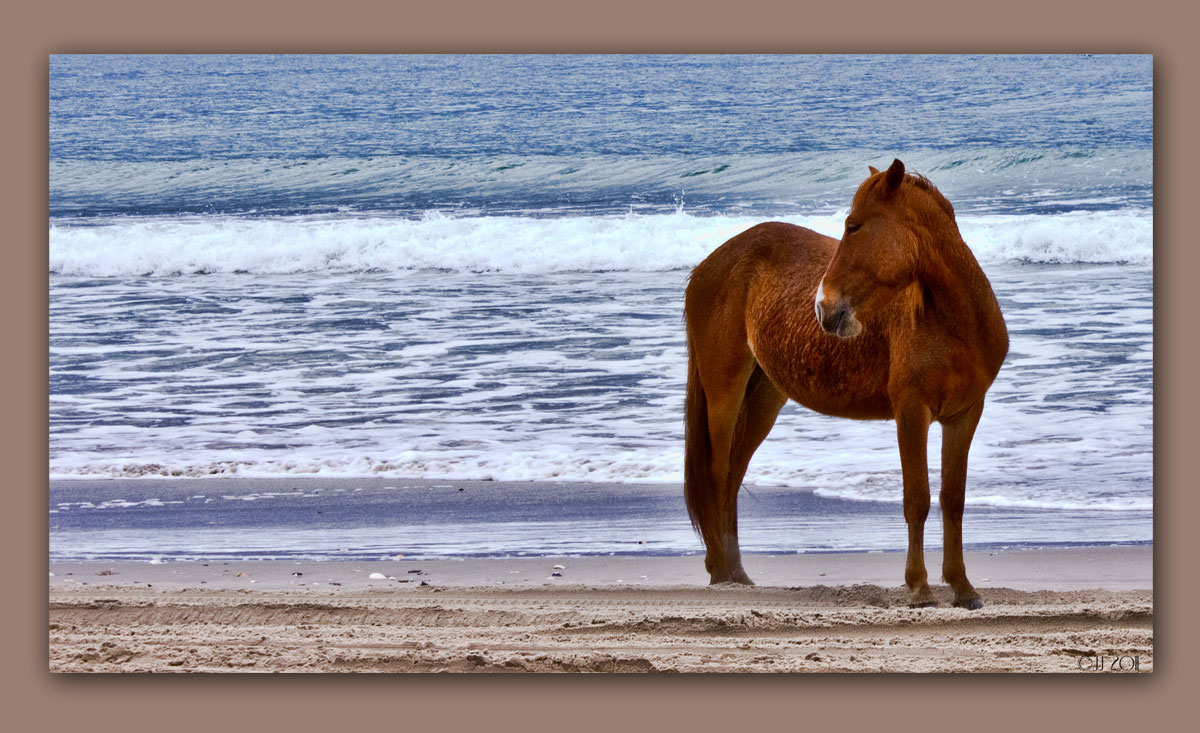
<point>1047,611</point>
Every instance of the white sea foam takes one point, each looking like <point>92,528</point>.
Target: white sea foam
<point>642,243</point>
<point>562,377</point>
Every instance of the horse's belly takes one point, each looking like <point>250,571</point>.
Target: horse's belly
<point>831,380</point>
<point>839,399</point>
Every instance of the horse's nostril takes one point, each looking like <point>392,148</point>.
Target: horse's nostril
<point>834,319</point>
<point>830,320</point>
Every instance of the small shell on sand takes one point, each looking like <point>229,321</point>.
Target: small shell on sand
<point>377,576</point>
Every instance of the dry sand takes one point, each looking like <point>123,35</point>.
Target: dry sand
<point>811,613</point>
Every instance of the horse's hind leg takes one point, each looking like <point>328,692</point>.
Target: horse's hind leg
<point>760,406</point>
<point>956,442</point>
<point>725,391</point>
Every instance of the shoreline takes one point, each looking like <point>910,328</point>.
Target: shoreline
<point>374,518</point>
<point>1065,569</point>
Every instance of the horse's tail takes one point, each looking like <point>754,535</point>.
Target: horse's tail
<point>699,491</point>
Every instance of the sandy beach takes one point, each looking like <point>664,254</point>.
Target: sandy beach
<point>1047,611</point>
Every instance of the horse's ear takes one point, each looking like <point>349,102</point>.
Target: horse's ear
<point>873,169</point>
<point>895,174</point>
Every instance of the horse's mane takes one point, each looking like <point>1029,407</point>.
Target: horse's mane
<point>926,185</point>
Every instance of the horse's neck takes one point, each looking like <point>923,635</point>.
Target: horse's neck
<point>962,299</point>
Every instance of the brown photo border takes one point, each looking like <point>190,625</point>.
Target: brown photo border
<point>33,697</point>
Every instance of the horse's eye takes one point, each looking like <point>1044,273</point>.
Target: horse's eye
<point>852,227</point>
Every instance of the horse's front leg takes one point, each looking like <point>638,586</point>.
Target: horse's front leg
<point>912,426</point>
<point>956,442</point>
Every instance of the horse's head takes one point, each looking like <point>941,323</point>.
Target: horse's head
<point>876,259</point>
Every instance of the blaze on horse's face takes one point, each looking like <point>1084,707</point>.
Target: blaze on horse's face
<point>873,262</point>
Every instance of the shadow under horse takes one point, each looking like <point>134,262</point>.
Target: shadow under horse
<point>906,328</point>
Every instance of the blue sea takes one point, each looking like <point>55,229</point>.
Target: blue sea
<point>412,271</point>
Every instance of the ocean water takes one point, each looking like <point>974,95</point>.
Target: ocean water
<point>472,268</point>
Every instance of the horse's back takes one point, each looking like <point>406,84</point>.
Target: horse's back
<point>774,241</point>
<point>796,255</point>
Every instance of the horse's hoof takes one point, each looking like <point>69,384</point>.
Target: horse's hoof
<point>731,580</point>
<point>930,603</point>
<point>971,604</point>
<point>742,578</point>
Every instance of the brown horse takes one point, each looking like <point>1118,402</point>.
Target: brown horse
<point>906,328</point>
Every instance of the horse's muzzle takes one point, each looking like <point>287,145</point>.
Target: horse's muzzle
<point>838,320</point>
